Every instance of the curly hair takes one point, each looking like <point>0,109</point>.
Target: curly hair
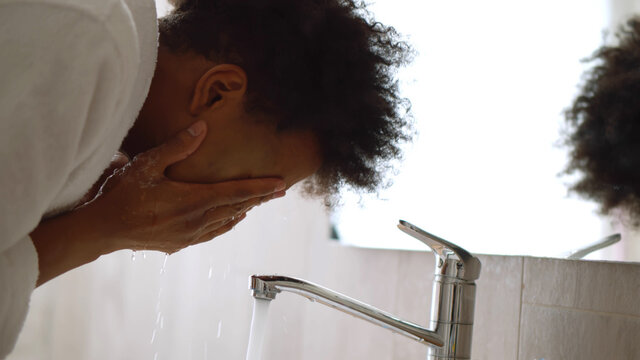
<point>604,124</point>
<point>319,65</point>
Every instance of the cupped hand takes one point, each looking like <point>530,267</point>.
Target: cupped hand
<point>141,209</point>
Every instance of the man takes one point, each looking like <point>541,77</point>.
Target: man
<point>284,89</point>
<point>310,72</point>
<point>604,124</point>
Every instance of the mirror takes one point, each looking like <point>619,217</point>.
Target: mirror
<point>489,88</point>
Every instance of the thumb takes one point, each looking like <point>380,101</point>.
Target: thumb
<point>180,146</point>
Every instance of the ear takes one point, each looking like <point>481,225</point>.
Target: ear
<point>219,85</point>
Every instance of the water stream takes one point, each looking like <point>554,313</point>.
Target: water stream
<point>164,264</point>
<point>258,327</point>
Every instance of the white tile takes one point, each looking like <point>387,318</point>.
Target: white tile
<point>364,274</point>
<point>550,281</point>
<point>609,287</point>
<point>497,312</point>
<point>407,349</point>
<point>560,333</point>
<point>413,301</point>
<point>330,334</point>
<point>414,286</point>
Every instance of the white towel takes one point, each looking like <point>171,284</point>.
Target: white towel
<point>73,77</point>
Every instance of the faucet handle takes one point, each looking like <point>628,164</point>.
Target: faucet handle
<point>443,249</point>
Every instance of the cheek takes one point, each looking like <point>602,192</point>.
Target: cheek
<point>307,166</point>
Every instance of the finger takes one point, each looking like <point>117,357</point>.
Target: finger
<point>220,215</point>
<point>180,146</point>
<point>223,213</point>
<point>220,230</point>
<point>213,225</point>
<point>234,192</point>
<point>200,198</point>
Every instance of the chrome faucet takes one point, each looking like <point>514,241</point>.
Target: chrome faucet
<point>452,306</point>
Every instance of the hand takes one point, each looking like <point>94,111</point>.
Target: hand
<point>142,209</point>
<point>117,161</point>
<point>139,208</point>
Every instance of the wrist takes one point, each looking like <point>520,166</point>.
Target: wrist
<point>98,236</point>
<point>68,241</point>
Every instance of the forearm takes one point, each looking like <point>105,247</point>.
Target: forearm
<point>138,207</point>
<point>66,242</point>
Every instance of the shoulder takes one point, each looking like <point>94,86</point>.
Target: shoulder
<point>98,9</point>
<point>46,40</point>
<point>75,61</point>
<point>54,20</point>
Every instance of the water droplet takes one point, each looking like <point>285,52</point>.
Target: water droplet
<point>312,300</point>
<point>144,254</point>
<point>133,255</point>
<point>155,356</point>
<point>219,328</point>
<point>158,302</point>
<point>226,272</point>
<point>158,317</point>
<point>164,264</point>
<point>210,271</point>
<point>153,336</point>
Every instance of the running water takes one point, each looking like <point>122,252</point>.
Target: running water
<point>258,327</point>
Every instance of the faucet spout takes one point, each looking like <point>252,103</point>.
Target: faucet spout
<point>267,286</point>
<point>452,303</point>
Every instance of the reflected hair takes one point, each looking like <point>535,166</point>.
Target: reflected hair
<point>604,126</point>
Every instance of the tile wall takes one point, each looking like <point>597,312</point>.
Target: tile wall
<point>592,311</point>
<point>526,308</point>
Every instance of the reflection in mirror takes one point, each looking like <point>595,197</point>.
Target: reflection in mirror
<point>489,89</point>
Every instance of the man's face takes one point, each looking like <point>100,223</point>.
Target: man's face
<point>241,148</point>
<point>239,145</point>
